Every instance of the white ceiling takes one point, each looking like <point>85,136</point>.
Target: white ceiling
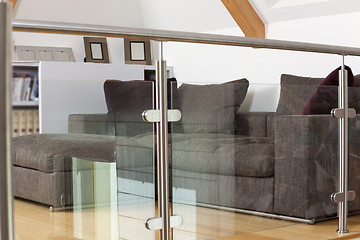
<point>283,10</point>
<point>182,15</point>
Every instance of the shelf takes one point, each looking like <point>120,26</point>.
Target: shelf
<point>25,64</point>
<point>25,103</point>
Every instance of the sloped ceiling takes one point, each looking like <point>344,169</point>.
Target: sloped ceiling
<point>105,12</point>
<point>283,10</point>
<point>186,15</point>
<point>181,15</point>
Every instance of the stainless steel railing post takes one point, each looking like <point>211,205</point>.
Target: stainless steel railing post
<point>343,150</point>
<point>6,197</point>
<point>162,147</point>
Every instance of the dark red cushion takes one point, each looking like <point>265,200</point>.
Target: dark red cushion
<point>325,98</point>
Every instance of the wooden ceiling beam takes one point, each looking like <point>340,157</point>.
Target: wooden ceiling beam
<point>246,17</point>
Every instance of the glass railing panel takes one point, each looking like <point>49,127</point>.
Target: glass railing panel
<point>222,162</point>
<point>245,157</point>
<point>90,173</point>
<point>275,163</point>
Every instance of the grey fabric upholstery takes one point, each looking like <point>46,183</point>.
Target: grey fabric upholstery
<point>54,189</point>
<point>37,151</point>
<point>209,153</point>
<point>199,188</point>
<point>295,92</point>
<point>210,108</point>
<point>223,155</point>
<point>126,101</point>
<point>252,124</point>
<point>42,164</point>
<point>270,120</point>
<point>135,152</point>
<point>306,165</point>
<point>223,190</point>
<point>91,124</point>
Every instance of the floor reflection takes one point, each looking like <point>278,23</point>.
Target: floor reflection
<point>127,221</point>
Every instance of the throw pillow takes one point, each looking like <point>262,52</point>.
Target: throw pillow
<point>210,108</point>
<point>325,98</point>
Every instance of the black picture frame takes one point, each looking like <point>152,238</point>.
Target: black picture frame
<point>96,50</point>
<point>137,51</point>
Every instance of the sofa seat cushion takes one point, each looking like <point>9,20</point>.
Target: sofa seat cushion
<point>223,154</point>
<point>39,151</point>
<point>136,152</point>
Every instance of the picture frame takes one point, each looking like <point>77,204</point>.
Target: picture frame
<point>96,50</point>
<point>137,51</point>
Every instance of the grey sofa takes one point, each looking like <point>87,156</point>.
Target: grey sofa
<point>274,162</point>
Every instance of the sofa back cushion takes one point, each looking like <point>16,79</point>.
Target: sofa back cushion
<point>127,100</point>
<point>210,108</point>
<point>295,92</point>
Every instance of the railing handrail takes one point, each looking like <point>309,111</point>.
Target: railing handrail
<point>177,36</point>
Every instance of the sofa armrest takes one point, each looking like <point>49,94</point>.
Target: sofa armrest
<point>306,165</point>
<point>254,124</point>
<point>91,124</point>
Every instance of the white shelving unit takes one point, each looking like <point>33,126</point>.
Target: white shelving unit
<point>25,114</point>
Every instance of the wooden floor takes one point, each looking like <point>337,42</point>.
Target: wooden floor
<point>34,221</point>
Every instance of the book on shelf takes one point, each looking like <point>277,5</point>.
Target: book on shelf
<point>22,122</point>
<point>34,95</point>
<point>24,87</point>
<point>15,123</point>
<point>25,122</point>
<point>36,121</point>
<point>29,122</point>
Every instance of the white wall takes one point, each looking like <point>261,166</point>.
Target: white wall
<point>205,63</point>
